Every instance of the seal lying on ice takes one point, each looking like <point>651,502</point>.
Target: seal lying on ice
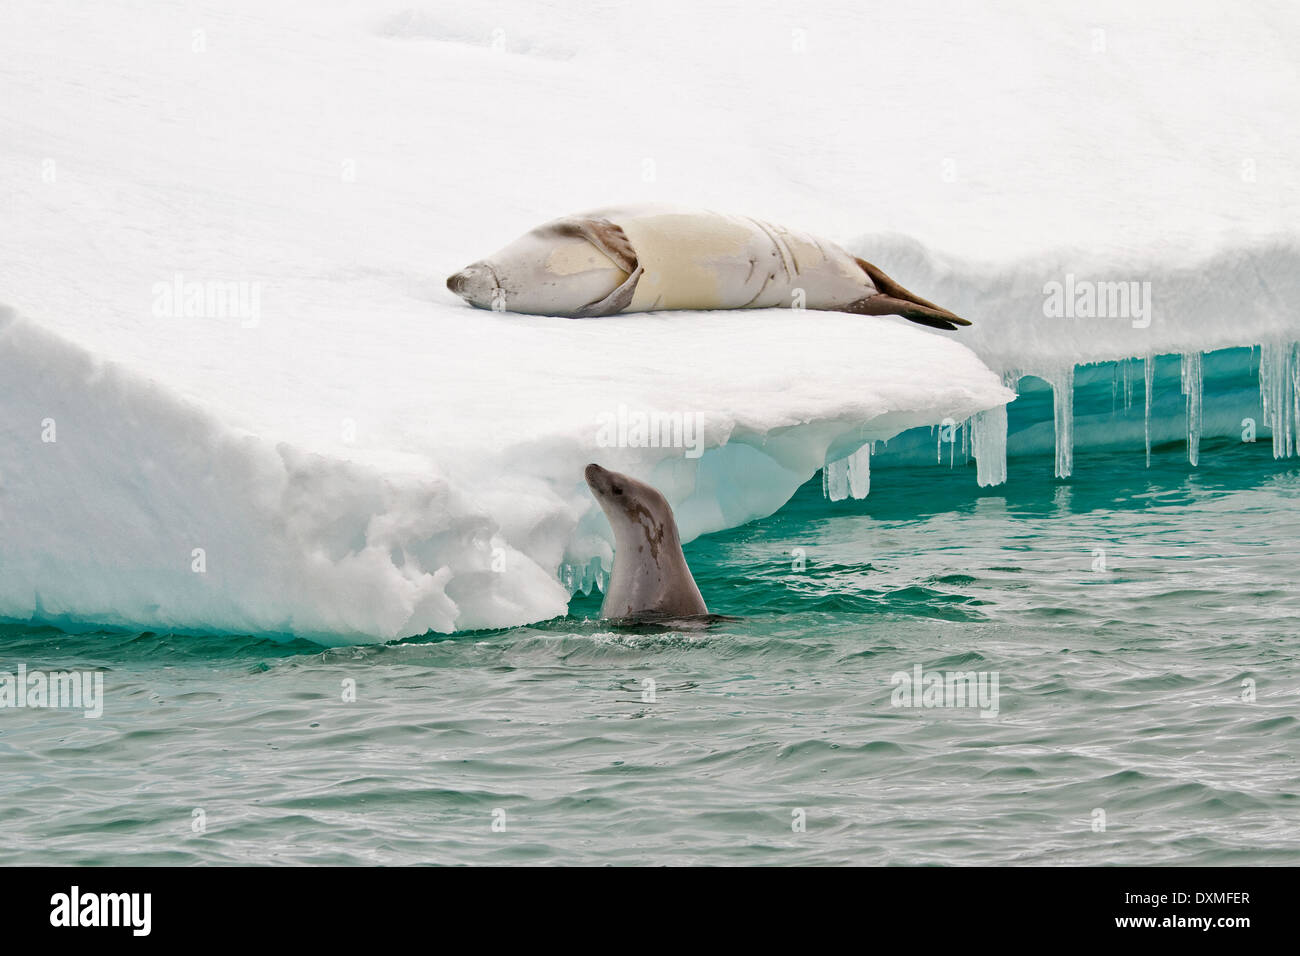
<point>642,258</point>
<point>650,577</point>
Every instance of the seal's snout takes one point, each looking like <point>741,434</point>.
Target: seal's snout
<point>595,476</point>
<point>477,284</point>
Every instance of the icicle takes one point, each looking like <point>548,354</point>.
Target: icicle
<point>1149,366</point>
<point>1128,386</point>
<point>849,476</point>
<point>1063,414</point>
<point>947,435</point>
<point>988,438</point>
<point>860,472</point>
<point>1293,386</point>
<point>837,479</point>
<point>1192,387</point>
<point>582,578</point>
<point>1279,376</point>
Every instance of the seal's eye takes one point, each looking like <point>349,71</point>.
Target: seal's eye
<point>618,491</point>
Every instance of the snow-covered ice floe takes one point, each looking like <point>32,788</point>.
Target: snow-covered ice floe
<point>235,395</point>
<point>447,497</point>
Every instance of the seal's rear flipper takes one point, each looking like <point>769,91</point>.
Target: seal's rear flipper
<point>882,304</point>
<point>893,299</point>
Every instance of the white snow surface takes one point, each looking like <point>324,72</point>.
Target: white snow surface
<point>370,459</point>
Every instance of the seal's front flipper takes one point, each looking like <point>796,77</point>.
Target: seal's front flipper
<point>616,301</point>
<point>893,299</point>
<point>610,239</point>
<point>605,235</point>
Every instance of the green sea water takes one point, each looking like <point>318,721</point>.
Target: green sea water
<point>1142,625</point>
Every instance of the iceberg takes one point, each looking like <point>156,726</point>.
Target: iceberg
<point>437,502</point>
<point>235,395</point>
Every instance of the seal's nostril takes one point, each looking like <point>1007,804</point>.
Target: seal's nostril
<point>454,281</point>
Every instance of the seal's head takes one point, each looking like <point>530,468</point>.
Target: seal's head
<point>559,268</point>
<point>478,285</point>
<point>638,513</point>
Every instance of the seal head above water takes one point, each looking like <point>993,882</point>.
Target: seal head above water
<point>650,578</point>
